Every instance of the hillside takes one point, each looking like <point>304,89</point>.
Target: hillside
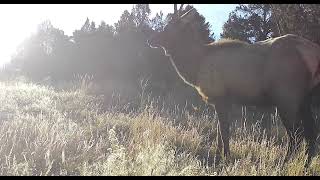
<point>51,132</point>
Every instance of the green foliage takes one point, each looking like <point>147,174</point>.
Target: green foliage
<point>300,19</point>
<point>249,23</point>
<point>255,22</point>
<point>158,22</point>
<point>117,53</point>
<point>200,22</point>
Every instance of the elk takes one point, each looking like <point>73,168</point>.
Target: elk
<point>279,72</point>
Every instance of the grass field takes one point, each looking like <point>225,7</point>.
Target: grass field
<point>54,132</point>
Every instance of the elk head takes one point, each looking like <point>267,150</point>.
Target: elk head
<point>176,31</point>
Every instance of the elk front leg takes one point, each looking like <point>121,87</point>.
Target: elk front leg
<point>223,130</point>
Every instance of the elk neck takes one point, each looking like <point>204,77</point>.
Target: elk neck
<point>186,59</point>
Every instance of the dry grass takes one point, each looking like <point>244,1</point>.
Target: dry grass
<point>49,132</point>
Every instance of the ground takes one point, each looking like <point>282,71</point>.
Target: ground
<point>44,131</point>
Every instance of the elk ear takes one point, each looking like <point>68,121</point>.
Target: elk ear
<point>187,17</point>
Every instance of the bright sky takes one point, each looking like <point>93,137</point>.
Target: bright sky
<point>18,21</point>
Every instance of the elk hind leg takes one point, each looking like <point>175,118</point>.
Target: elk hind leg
<point>309,126</point>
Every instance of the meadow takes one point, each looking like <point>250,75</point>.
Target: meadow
<point>48,131</point>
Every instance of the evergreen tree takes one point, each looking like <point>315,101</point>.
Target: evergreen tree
<point>250,23</point>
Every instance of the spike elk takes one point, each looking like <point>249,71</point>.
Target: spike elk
<point>280,72</point>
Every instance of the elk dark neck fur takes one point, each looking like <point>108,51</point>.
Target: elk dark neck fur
<point>186,59</point>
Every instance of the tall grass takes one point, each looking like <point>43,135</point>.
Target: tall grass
<point>44,131</point>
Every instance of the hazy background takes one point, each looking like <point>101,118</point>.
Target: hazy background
<point>84,94</point>
<point>22,19</point>
<point>105,45</point>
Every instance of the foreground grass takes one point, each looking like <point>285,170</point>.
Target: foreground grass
<point>45,132</point>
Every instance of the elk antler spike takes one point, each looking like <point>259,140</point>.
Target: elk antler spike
<point>175,10</point>
<point>180,10</point>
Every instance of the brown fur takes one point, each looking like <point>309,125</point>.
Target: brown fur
<point>226,43</point>
<point>277,72</point>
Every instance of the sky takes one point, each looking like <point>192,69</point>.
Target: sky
<point>18,21</point>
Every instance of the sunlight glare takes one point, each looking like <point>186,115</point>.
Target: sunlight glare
<point>20,20</point>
